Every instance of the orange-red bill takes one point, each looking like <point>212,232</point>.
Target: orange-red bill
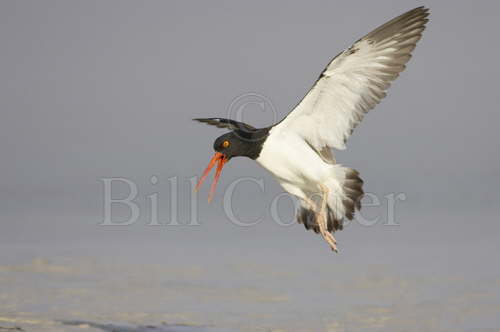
<point>222,160</point>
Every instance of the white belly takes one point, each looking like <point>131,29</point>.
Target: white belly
<point>292,161</point>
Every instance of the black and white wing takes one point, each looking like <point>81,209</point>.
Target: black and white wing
<point>354,82</point>
<point>226,123</point>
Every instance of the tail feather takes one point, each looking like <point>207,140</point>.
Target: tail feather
<point>307,217</point>
<point>351,186</point>
<point>353,191</point>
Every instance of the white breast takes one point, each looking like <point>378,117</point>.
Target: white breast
<point>289,158</point>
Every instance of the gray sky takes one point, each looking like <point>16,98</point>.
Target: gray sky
<point>94,89</point>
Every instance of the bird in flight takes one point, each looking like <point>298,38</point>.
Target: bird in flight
<point>297,150</point>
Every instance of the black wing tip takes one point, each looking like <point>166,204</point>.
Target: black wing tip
<point>203,119</point>
<point>422,11</point>
<point>209,121</point>
<point>422,8</point>
<point>226,123</point>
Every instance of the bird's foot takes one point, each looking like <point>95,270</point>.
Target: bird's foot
<point>323,230</point>
<point>330,239</point>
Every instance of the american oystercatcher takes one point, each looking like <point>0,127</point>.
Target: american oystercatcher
<point>297,150</point>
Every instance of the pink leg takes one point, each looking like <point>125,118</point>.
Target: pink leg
<point>321,218</point>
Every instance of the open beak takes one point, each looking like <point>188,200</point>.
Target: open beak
<point>222,160</point>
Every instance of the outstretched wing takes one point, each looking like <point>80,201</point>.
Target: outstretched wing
<point>226,123</point>
<point>354,82</point>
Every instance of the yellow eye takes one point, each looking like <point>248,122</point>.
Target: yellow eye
<point>226,144</point>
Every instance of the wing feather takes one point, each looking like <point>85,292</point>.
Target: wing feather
<point>354,82</point>
<point>226,123</point>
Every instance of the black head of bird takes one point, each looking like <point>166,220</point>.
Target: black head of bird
<point>243,141</point>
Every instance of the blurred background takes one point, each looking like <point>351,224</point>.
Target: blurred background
<point>93,90</point>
